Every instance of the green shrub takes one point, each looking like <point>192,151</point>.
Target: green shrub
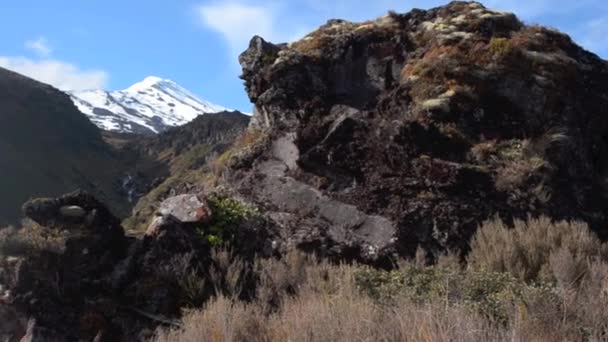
<point>228,214</point>
<point>379,284</point>
<point>491,294</point>
<point>500,47</point>
<point>418,284</point>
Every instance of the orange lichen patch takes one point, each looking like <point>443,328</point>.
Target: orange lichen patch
<point>439,52</point>
<point>245,143</point>
<point>315,43</point>
<point>439,64</point>
<point>452,131</point>
<point>311,45</point>
<point>484,150</point>
<point>539,38</point>
<point>425,65</point>
<point>457,9</point>
<point>410,71</point>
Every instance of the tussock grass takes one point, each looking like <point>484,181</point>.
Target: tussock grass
<point>521,284</point>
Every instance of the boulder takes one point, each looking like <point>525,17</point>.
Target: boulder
<point>88,282</point>
<point>186,209</point>
<point>72,210</point>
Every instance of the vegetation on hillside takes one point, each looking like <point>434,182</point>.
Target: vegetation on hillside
<point>498,295</point>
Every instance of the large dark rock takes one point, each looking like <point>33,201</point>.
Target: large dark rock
<point>100,283</point>
<point>78,210</point>
<point>412,129</point>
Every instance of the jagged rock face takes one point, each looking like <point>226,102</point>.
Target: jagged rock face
<point>433,121</point>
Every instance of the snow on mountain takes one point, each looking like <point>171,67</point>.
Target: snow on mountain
<point>150,106</point>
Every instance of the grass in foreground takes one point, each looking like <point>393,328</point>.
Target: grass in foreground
<point>541,281</point>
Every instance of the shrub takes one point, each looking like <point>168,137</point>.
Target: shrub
<point>318,301</point>
<point>490,294</point>
<point>527,249</point>
<point>500,47</point>
<point>30,239</point>
<point>227,215</point>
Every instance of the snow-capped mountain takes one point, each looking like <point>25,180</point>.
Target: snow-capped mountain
<point>150,106</point>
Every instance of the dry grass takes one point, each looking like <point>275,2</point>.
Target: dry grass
<point>537,249</point>
<point>30,239</point>
<point>500,47</point>
<point>302,299</point>
<point>244,144</point>
<point>330,307</point>
<point>522,164</point>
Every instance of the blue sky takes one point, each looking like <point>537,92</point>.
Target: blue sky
<point>79,44</point>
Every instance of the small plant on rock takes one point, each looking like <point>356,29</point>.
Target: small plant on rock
<point>228,214</point>
<point>500,47</point>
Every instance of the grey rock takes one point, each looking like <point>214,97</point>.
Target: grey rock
<point>186,208</point>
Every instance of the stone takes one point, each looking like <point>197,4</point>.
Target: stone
<point>186,209</point>
<point>72,211</point>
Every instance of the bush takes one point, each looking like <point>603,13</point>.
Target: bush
<point>526,251</point>
<point>228,214</point>
<point>500,47</point>
<point>30,239</point>
<point>318,301</point>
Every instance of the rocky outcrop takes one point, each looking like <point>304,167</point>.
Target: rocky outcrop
<point>411,129</point>
<point>106,286</point>
<point>95,286</point>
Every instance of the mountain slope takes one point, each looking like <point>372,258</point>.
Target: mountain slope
<point>47,147</point>
<point>186,152</point>
<point>150,106</point>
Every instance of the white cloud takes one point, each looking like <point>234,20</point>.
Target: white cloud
<point>64,76</point>
<point>39,46</point>
<point>239,22</point>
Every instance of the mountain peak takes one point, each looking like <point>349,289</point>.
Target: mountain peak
<point>149,106</point>
<point>149,82</point>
